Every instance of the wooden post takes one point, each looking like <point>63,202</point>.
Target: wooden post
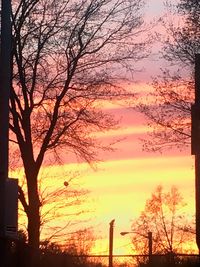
<point>150,249</point>
<point>111,243</point>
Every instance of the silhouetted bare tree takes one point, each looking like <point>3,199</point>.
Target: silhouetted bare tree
<point>170,226</point>
<point>61,207</point>
<point>170,112</point>
<point>69,56</point>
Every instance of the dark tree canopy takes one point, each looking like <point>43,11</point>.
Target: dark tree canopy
<point>68,57</point>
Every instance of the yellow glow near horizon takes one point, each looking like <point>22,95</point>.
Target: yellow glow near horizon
<point>120,188</point>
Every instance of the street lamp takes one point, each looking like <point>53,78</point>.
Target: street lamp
<point>150,242</point>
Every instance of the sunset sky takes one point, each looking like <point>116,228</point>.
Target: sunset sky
<point>122,183</point>
<point>126,177</point>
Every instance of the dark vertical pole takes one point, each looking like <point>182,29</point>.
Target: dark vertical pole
<point>5,82</point>
<point>197,198</point>
<point>111,243</point>
<point>197,79</point>
<point>150,248</point>
<point>195,143</point>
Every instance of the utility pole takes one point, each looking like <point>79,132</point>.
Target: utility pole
<point>111,243</point>
<point>5,83</point>
<point>195,144</point>
<point>150,244</point>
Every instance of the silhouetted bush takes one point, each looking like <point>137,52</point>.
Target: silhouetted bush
<point>50,258</point>
<point>173,261</point>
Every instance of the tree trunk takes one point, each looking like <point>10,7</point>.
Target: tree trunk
<point>33,211</point>
<point>34,236</point>
<point>34,226</point>
<point>33,215</point>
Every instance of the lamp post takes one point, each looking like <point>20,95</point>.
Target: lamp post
<point>150,242</point>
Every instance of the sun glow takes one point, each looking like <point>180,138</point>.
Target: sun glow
<point>119,190</point>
